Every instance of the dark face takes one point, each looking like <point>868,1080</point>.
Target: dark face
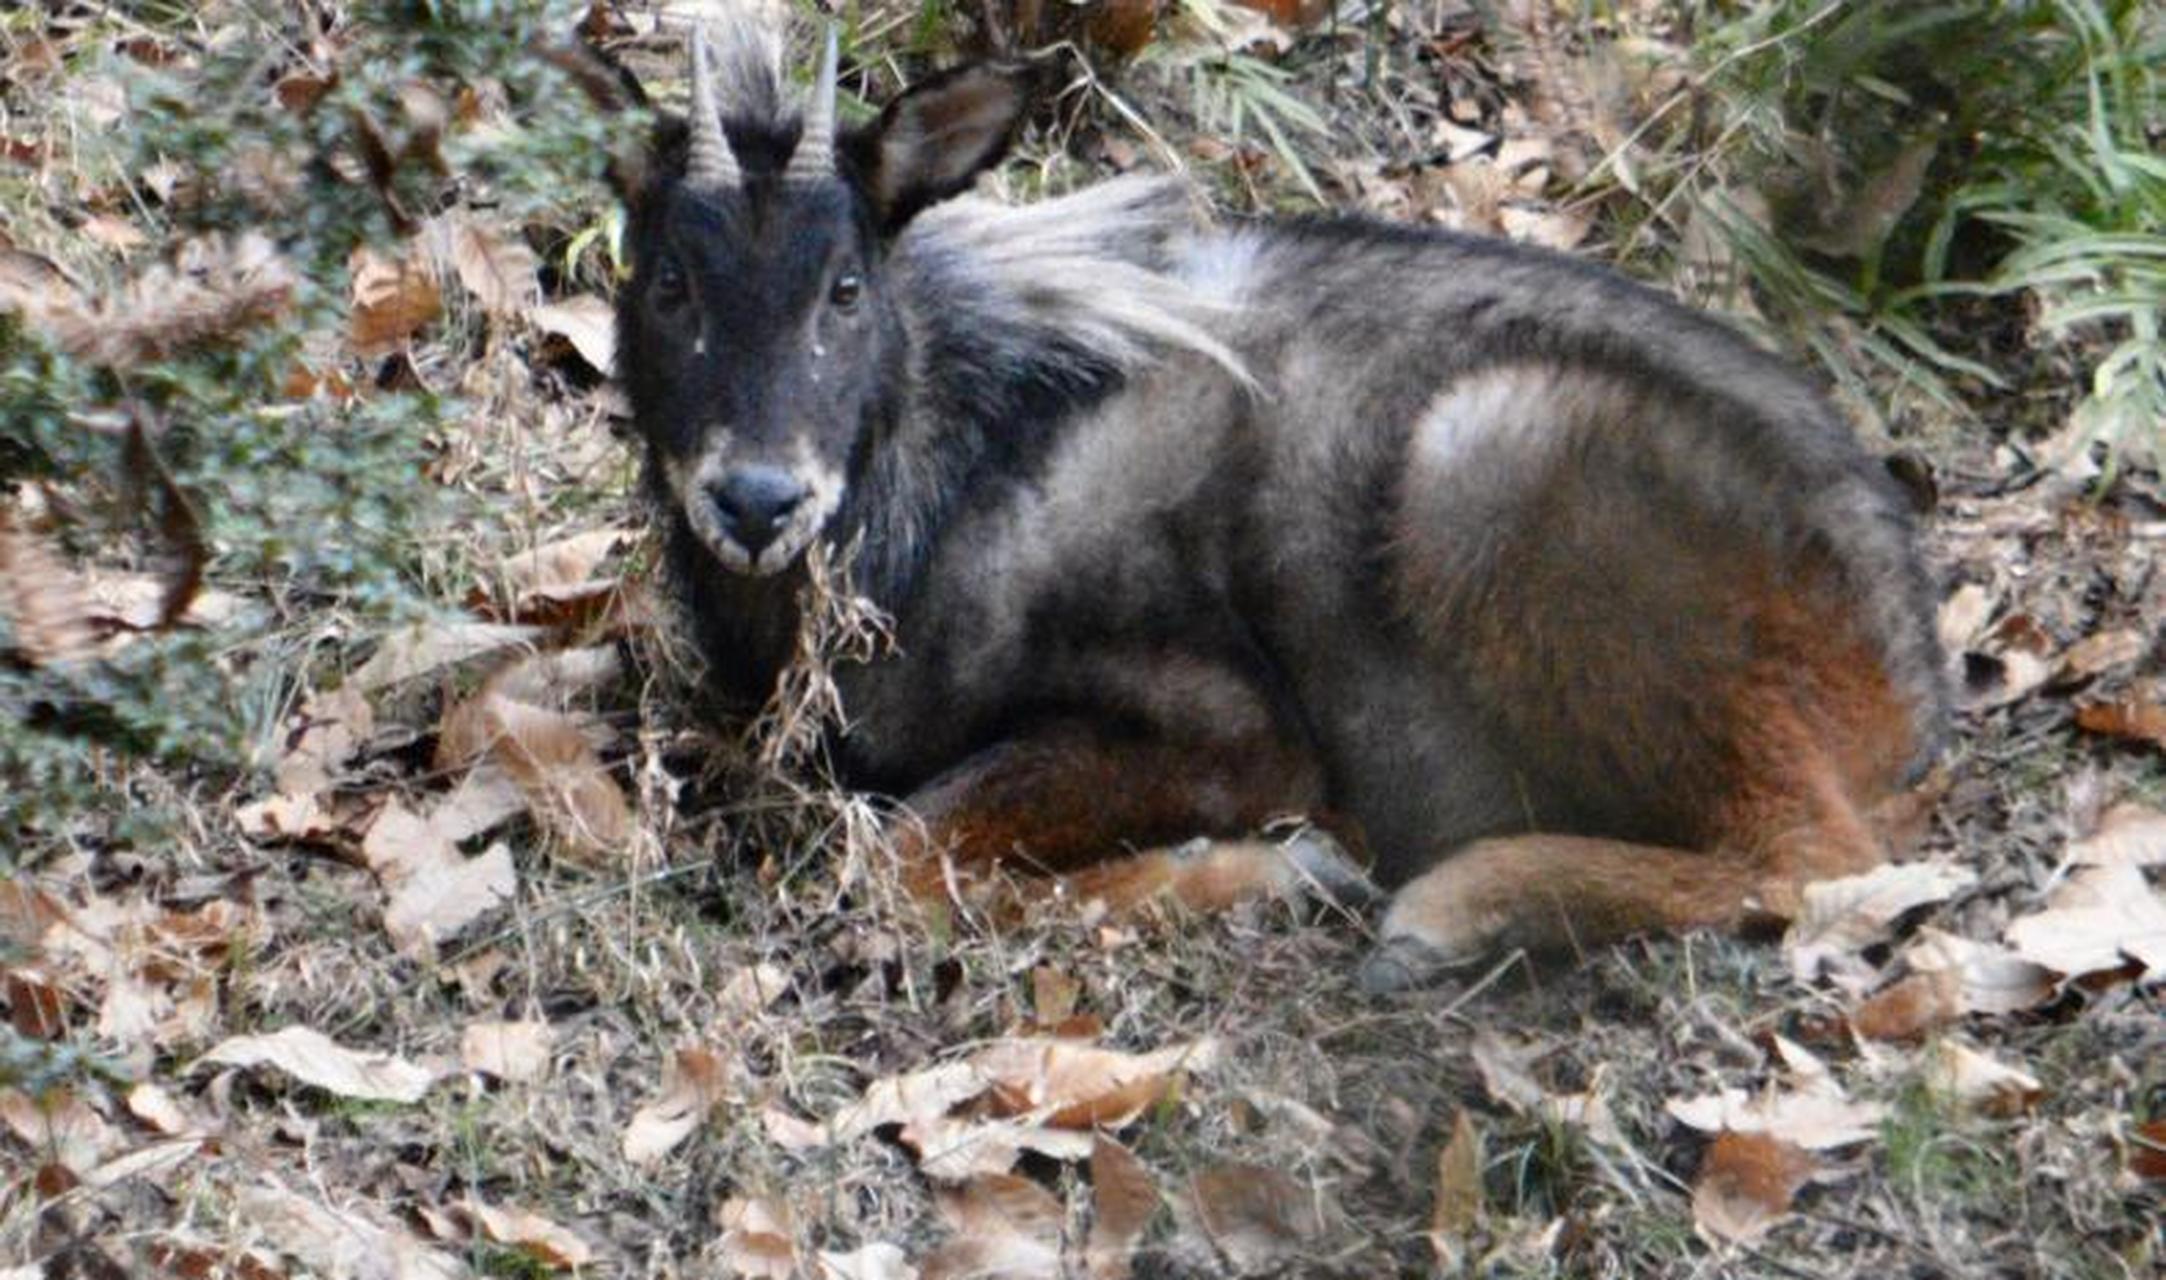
<point>753,339</point>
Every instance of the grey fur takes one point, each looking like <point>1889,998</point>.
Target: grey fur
<point>1281,482</point>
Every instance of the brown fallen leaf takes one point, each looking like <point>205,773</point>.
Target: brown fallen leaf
<point>1457,1208</point>
<point>1006,1226</point>
<point>2137,717</point>
<point>565,564</point>
<point>588,323</point>
<point>434,891</point>
<point>1254,1215</point>
<point>2129,835</point>
<point>749,991</point>
<point>2097,654</point>
<point>1819,1118</point>
<point>548,754</point>
<point>1076,1086</point>
<point>1979,1081</point>
<point>496,266</point>
<point>392,299</point>
<point>342,1244</point>
<point>1506,1075</point>
<point>1745,1186</point>
<point>1123,1201</point>
<point>165,1114</point>
<point>1909,1008</point>
<point>546,1242</point>
<point>757,1241</point>
<point>315,1059</point>
<point>2100,918</point>
<point>692,1087</point>
<point>60,1124</point>
<point>215,289</point>
<point>2147,1150</point>
<point>1963,617</point>
<point>960,1148</point>
<point>1951,976</point>
<point>2012,663</point>
<point>514,1051</point>
<point>427,647</point>
<point>1838,919</point>
<point>877,1261</point>
<point>46,605</point>
<point>1988,978</point>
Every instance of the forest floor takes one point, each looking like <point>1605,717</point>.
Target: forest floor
<point>501,963</point>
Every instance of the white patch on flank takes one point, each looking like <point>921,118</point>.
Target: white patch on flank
<point>1511,406</point>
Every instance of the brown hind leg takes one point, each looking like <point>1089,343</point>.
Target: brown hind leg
<point>1548,893</point>
<point>1070,808</point>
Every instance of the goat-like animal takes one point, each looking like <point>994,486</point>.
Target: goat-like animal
<point>1583,614</point>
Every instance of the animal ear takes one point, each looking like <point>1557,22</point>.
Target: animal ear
<point>933,140</point>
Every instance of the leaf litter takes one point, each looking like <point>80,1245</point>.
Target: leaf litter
<point>2003,959</point>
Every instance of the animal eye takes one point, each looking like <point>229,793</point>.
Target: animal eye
<point>668,289</point>
<point>846,290</point>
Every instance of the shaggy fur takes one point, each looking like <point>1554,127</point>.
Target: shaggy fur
<point>1459,545</point>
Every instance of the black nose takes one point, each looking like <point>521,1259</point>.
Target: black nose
<point>754,502</point>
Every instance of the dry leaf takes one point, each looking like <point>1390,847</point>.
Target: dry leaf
<point>1457,1209</point>
<point>2100,918</point>
<point>341,1245</point>
<point>1066,1085</point>
<point>1963,617</point>
<point>1123,1200</point>
<point>2135,718</point>
<point>427,647</point>
<point>587,322</point>
<point>314,1058</point>
<point>565,564</point>
<point>1817,1119</point>
<point>1988,979</point>
<point>879,1261</point>
<point>547,753</point>
<point>1504,1069</point>
<point>1979,1081</point>
<point>61,1124</point>
<point>1907,1009</point>
<point>757,1239</point>
<point>2147,1151</point>
<point>1255,1215</point>
<point>1053,996</point>
<point>1007,1226</point>
<point>47,605</point>
<point>515,1051</point>
<point>2131,835</point>
<point>392,299</point>
<point>434,890</point>
<point>1841,918</point>
<point>155,1107</point>
<point>749,991</point>
<point>537,1237</point>
<point>214,289</point>
<point>918,1096</point>
<point>1745,1185</point>
<point>495,266</point>
<point>957,1149</point>
<point>691,1089</point>
<point>2098,654</point>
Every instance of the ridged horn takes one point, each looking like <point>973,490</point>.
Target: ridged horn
<point>815,154</point>
<point>709,163</point>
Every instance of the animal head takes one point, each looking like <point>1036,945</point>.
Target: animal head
<point>759,341</point>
